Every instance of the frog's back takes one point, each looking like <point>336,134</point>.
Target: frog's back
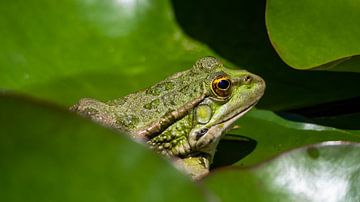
<point>139,110</point>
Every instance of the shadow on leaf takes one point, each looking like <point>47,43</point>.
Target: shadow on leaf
<point>231,149</point>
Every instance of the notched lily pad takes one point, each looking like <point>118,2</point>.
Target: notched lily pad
<point>329,171</point>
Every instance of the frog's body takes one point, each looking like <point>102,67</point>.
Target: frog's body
<point>184,115</point>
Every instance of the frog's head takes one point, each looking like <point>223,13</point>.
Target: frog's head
<point>230,94</point>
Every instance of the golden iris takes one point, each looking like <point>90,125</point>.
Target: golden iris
<point>221,85</point>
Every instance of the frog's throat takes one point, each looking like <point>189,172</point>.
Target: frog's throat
<point>208,141</point>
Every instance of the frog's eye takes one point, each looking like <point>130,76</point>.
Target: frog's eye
<point>221,86</point>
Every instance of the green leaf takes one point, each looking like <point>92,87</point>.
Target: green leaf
<point>273,135</point>
<point>49,154</point>
<point>308,34</point>
<point>90,48</point>
<point>325,172</point>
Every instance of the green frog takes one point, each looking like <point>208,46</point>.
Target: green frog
<point>184,116</point>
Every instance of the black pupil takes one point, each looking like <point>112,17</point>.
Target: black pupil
<point>223,84</point>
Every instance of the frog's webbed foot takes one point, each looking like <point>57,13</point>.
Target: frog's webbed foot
<point>195,166</point>
<point>97,111</point>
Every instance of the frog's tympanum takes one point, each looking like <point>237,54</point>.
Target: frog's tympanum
<point>185,115</point>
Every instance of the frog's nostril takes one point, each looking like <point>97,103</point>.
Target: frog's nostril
<point>247,79</point>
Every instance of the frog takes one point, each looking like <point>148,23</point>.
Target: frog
<point>184,116</point>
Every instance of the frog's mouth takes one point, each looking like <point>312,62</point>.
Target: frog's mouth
<point>207,138</point>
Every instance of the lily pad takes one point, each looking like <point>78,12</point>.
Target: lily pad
<point>49,154</point>
<point>308,34</point>
<point>274,135</point>
<point>329,171</point>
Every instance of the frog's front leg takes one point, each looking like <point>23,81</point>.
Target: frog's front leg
<point>96,110</point>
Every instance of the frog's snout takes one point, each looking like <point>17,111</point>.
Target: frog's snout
<point>258,82</point>
<point>253,79</point>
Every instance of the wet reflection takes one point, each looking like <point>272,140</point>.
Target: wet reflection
<point>314,179</point>
<point>128,6</point>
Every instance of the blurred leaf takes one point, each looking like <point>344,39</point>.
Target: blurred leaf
<point>274,135</point>
<point>48,154</point>
<point>308,34</point>
<point>326,172</point>
<point>236,31</point>
<point>90,48</point>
